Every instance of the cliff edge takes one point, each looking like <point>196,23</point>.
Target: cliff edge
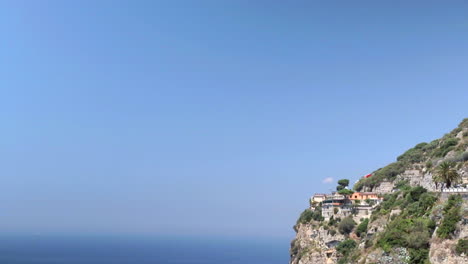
<point>414,210</point>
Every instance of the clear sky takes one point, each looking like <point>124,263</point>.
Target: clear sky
<point>213,117</point>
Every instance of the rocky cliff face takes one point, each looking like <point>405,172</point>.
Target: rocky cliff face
<point>313,243</point>
<point>412,225</point>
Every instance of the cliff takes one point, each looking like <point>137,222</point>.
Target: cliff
<point>420,215</point>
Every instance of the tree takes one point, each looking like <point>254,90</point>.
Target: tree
<point>346,192</point>
<point>446,173</point>
<point>346,226</point>
<point>343,182</point>
<point>342,187</point>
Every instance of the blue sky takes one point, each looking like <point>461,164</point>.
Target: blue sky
<point>213,117</point>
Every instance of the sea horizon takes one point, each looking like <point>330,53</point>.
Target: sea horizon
<point>139,249</point>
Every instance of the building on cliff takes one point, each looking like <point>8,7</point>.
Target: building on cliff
<point>336,205</point>
<point>318,198</point>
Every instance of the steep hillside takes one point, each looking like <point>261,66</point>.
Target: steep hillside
<point>418,212</point>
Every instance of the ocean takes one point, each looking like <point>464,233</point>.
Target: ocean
<point>140,250</point>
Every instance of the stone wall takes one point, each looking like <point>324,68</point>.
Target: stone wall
<point>384,187</point>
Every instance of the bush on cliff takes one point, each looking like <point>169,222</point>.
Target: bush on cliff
<point>345,247</point>
<point>362,228</point>
<point>462,247</point>
<point>346,226</point>
<point>388,172</point>
<point>309,215</point>
<point>451,217</point>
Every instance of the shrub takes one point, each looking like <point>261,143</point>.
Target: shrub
<point>418,256</point>
<point>418,236</point>
<point>345,247</point>
<point>346,226</point>
<point>460,158</point>
<point>450,142</point>
<point>415,193</point>
<point>394,234</point>
<point>335,210</point>
<point>413,234</point>
<point>426,201</point>
<point>413,155</point>
<point>388,172</point>
<point>389,201</point>
<point>362,228</point>
<point>464,123</point>
<point>421,145</point>
<point>451,217</point>
<point>431,146</point>
<point>462,247</point>
<point>429,164</point>
<point>305,217</point>
<point>402,185</point>
<point>447,146</point>
<point>309,215</point>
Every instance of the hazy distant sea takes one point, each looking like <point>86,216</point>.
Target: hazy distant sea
<point>133,250</point>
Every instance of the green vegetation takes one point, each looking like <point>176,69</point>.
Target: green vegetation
<point>446,173</point>
<point>342,184</point>
<point>413,234</point>
<point>333,221</point>
<point>462,247</point>
<point>387,173</point>
<point>429,164</point>
<point>346,192</point>
<point>389,202</point>
<point>309,215</point>
<point>412,228</point>
<point>341,188</point>
<point>403,185</point>
<point>451,217</point>
<point>421,153</point>
<point>345,247</point>
<point>460,157</point>
<point>410,214</point>
<point>413,155</point>
<point>346,226</point>
<point>447,145</point>
<point>362,228</point>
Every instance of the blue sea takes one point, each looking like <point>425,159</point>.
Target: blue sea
<point>140,250</point>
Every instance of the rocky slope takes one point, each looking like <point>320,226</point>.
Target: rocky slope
<point>418,221</point>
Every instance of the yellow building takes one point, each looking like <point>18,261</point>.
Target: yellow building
<point>364,196</point>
